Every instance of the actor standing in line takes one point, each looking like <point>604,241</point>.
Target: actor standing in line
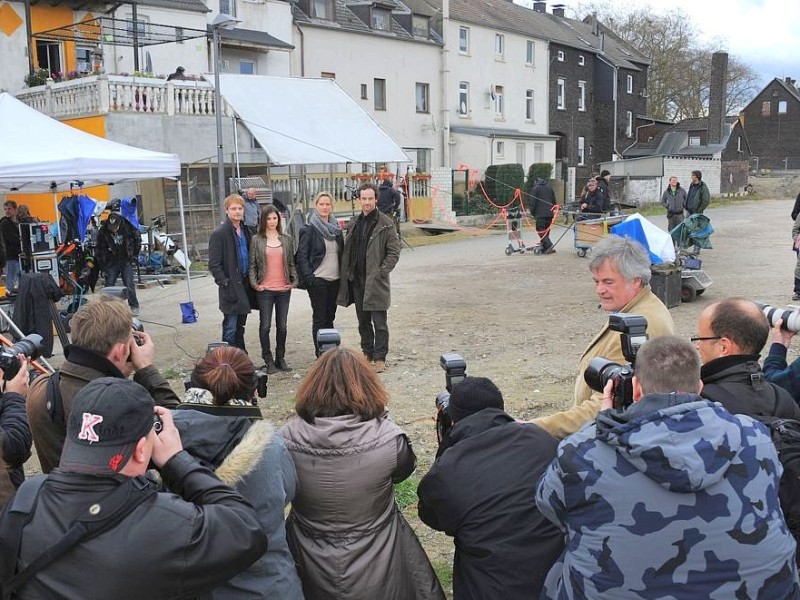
<point>229,263</point>
<point>674,200</point>
<point>371,251</point>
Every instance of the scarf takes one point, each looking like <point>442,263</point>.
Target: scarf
<point>327,229</point>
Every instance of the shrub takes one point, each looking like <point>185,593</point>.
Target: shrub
<point>535,171</point>
<point>503,180</point>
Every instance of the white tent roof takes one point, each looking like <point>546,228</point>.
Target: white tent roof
<point>37,150</point>
<point>307,121</point>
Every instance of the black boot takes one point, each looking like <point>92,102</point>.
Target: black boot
<point>269,364</point>
<point>281,364</point>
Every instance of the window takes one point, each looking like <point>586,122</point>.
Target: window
<point>782,107</point>
<point>463,98</point>
<point>629,84</point>
<point>499,45</point>
<point>83,58</point>
<point>766,108</point>
<point>364,91</point>
<point>141,25</point>
<point>529,105</point>
<point>327,75</point>
<point>498,102</point>
<point>530,53</point>
<point>227,7</point>
<point>500,149</point>
<point>322,9</point>
<point>538,153</point>
<point>560,56</point>
<point>739,144</point>
<point>420,26</point>
<point>48,55</point>
<point>561,102</point>
<point>581,96</point>
<point>581,60</point>
<point>694,140</point>
<point>463,39</point>
<point>381,19</point>
<point>247,67</point>
<point>379,94</point>
<point>581,151</point>
<point>521,153</point>
<point>628,124</point>
<point>422,96</point>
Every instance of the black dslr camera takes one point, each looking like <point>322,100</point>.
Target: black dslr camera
<point>455,370</point>
<point>327,339</point>
<point>30,346</point>
<point>600,370</point>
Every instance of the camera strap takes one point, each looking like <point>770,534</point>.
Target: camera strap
<point>98,518</point>
<point>55,403</point>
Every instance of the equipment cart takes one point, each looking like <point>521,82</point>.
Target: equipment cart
<point>694,280</point>
<point>514,233</point>
<point>591,231</point>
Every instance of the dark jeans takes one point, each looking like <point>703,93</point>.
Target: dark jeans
<point>233,330</point>
<point>372,326</point>
<point>125,269</point>
<point>266,301</point>
<point>543,229</point>
<point>323,295</point>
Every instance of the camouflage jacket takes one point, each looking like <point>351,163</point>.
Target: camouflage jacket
<point>674,498</point>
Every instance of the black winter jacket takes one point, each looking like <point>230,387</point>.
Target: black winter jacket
<point>15,435</point>
<point>109,252</point>
<point>388,198</point>
<point>543,198</point>
<point>310,252</point>
<point>236,297</point>
<point>504,545</point>
<point>176,545</point>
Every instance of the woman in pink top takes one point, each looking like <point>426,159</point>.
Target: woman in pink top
<point>272,275</point>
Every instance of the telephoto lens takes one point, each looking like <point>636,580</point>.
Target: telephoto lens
<point>790,318</point>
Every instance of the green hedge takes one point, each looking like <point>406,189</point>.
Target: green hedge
<point>503,180</point>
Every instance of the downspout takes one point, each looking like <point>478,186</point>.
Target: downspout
<point>616,107</point>
<point>445,85</point>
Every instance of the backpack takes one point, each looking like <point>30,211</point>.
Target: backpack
<point>785,434</point>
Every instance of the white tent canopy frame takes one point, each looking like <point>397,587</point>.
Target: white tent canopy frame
<point>40,154</point>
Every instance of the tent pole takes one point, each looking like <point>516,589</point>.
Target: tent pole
<point>57,220</point>
<point>183,235</point>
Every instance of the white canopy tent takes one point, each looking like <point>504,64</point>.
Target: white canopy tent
<point>40,154</point>
<point>301,121</point>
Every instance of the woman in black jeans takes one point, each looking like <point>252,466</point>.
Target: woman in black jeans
<point>319,256</point>
<point>272,275</point>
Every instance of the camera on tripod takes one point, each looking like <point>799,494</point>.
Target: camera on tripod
<point>455,370</point>
<point>600,370</point>
<point>30,346</point>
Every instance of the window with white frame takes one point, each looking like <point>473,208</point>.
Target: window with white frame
<point>227,7</point>
<point>530,52</point>
<point>83,59</point>
<point>581,150</point>
<point>694,140</point>
<point>463,98</point>
<point>499,101</point>
<point>381,19</point>
<point>782,107</point>
<point>628,124</point>
<point>629,84</point>
<point>463,40</point>
<point>499,45</point>
<point>529,105</point>
<point>561,88</point>
<point>247,67</point>
<point>422,96</point>
<point>581,60</point>
<point>322,9</point>
<point>560,56</point>
<point>379,93</point>
<point>538,153</point>
<point>500,148</point>
<point>581,96</point>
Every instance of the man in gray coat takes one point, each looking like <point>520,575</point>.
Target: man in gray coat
<point>371,251</point>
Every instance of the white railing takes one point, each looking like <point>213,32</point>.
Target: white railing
<point>103,94</point>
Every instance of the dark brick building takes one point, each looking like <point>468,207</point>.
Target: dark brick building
<point>772,123</point>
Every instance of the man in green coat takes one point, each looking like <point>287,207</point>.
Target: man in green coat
<point>698,197</point>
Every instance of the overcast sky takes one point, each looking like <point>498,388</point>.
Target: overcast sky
<point>763,33</point>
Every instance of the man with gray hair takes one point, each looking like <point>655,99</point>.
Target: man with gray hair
<point>621,272</point>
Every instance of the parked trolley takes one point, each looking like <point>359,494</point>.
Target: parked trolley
<point>589,232</point>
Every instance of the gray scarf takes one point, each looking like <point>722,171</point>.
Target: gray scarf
<point>328,230</point>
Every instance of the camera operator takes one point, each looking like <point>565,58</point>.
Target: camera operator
<point>673,492</point>
<point>775,367</point>
<point>621,272</point>
<point>504,546</point>
<point>103,345</point>
<point>133,542</point>
<point>118,245</point>
<point>14,431</point>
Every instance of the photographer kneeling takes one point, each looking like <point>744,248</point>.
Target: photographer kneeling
<point>504,546</point>
<point>222,427</point>
<point>671,492</point>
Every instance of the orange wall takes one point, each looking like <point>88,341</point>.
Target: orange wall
<point>44,18</point>
<point>41,205</point>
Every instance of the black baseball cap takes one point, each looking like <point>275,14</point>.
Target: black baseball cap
<point>108,417</point>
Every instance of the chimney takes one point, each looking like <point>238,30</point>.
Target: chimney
<point>558,10</point>
<point>540,7</point>
<point>595,27</point>
<point>716,97</point>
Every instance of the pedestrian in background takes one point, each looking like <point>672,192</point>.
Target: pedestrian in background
<point>674,200</point>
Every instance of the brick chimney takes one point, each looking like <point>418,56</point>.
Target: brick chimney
<point>717,96</point>
<point>558,10</point>
<point>540,7</point>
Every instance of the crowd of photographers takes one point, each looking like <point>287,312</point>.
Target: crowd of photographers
<point>669,472</point>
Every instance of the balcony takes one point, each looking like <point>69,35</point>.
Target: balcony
<point>111,94</point>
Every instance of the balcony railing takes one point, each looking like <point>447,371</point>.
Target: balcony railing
<point>104,94</point>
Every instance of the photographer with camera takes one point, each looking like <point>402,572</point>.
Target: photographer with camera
<point>96,528</point>
<point>504,546</point>
<point>104,344</point>
<point>14,430</point>
<point>673,492</point>
<point>221,426</point>
<point>775,367</point>
<point>621,272</point>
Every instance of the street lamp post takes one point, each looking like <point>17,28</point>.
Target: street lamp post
<point>221,21</point>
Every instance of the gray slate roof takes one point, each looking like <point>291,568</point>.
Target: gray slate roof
<point>675,140</point>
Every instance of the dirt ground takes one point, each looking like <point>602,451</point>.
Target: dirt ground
<point>521,320</point>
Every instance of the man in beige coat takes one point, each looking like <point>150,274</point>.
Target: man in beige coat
<point>621,273</point>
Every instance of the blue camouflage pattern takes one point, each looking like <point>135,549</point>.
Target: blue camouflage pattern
<point>679,502</point>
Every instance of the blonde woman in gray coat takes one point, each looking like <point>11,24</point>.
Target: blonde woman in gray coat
<point>347,535</point>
